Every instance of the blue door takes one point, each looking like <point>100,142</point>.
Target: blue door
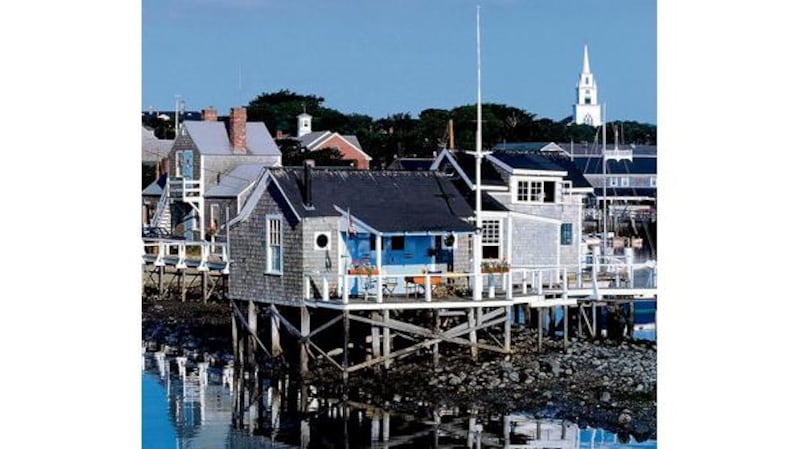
<point>188,165</point>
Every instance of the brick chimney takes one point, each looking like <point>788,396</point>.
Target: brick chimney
<point>238,130</point>
<point>210,114</point>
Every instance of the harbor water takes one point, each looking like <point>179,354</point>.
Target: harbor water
<point>184,408</point>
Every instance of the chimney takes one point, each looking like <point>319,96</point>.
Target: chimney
<point>278,134</point>
<point>308,164</point>
<point>210,114</point>
<point>238,130</point>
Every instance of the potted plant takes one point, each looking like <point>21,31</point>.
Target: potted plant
<point>495,266</point>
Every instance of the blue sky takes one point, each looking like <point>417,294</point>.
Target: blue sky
<point>384,57</point>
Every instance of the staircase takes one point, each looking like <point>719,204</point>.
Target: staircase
<point>162,218</point>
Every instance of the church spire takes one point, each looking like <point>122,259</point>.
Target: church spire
<point>586,59</point>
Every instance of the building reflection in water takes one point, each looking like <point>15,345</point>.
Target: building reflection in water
<point>210,410</point>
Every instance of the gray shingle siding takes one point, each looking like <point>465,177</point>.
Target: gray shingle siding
<point>248,258</point>
<point>314,261</point>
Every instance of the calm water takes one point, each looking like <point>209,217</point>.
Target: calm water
<point>181,411</point>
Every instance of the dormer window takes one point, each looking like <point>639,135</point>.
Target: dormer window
<point>530,191</point>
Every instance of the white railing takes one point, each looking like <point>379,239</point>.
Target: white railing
<point>185,189</point>
<point>424,286</point>
<point>209,252</point>
<point>163,201</point>
<point>618,154</point>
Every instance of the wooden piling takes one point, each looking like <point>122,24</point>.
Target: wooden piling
<point>507,330</point>
<point>566,326</point>
<point>540,326</point>
<point>345,348</point>
<point>275,333</point>
<point>473,335</point>
<point>436,331</point>
<point>205,287</point>
<point>376,339</point>
<point>183,285</point>
<point>252,323</point>
<point>387,340</point>
<point>305,329</point>
<point>161,283</point>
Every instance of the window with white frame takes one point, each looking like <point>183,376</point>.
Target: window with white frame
<point>624,181</point>
<point>530,191</point>
<point>490,239</point>
<point>653,181</point>
<point>274,242</point>
<point>612,181</point>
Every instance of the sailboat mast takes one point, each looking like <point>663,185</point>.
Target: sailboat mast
<point>605,182</point>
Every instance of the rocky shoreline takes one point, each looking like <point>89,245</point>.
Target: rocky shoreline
<point>597,383</point>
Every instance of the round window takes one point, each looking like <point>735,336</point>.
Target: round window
<point>322,241</point>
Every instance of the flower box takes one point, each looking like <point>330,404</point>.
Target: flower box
<point>363,271</point>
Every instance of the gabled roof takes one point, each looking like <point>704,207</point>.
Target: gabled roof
<point>388,201</point>
<point>211,138</point>
<point>235,181</point>
<point>315,140</point>
<point>153,147</point>
<point>489,174</point>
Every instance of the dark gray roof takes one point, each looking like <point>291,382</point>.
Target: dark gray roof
<point>489,174</point>
<point>353,140</point>
<point>527,161</point>
<point>573,172</point>
<point>411,164</point>
<point>305,140</point>
<point>153,147</point>
<point>389,201</point>
<point>153,189</point>
<point>593,165</point>
<point>211,138</point>
<point>520,146</point>
<point>235,181</point>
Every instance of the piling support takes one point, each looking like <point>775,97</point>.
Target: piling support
<point>507,331</point>
<point>275,334</point>
<point>376,339</point>
<point>473,335</point>
<point>205,286</point>
<point>305,329</point>
<point>345,347</point>
<point>161,283</point>
<point>183,284</point>
<point>436,331</point>
<point>594,320</point>
<point>540,326</point>
<point>566,326</point>
<point>387,340</point>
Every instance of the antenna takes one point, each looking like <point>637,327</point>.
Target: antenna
<point>477,252</point>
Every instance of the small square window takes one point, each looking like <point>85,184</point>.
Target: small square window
<point>398,242</point>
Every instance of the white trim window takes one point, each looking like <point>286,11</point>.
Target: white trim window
<point>612,181</point>
<point>274,242</point>
<point>178,164</point>
<point>653,181</point>
<point>529,191</point>
<point>624,181</point>
<point>490,239</point>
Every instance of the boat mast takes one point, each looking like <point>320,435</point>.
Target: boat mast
<point>605,182</point>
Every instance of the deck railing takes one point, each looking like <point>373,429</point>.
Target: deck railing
<point>428,285</point>
<point>185,189</point>
<point>177,249</point>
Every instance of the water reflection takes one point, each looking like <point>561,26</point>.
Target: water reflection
<point>207,407</point>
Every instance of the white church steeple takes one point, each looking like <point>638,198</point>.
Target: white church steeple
<point>586,111</point>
